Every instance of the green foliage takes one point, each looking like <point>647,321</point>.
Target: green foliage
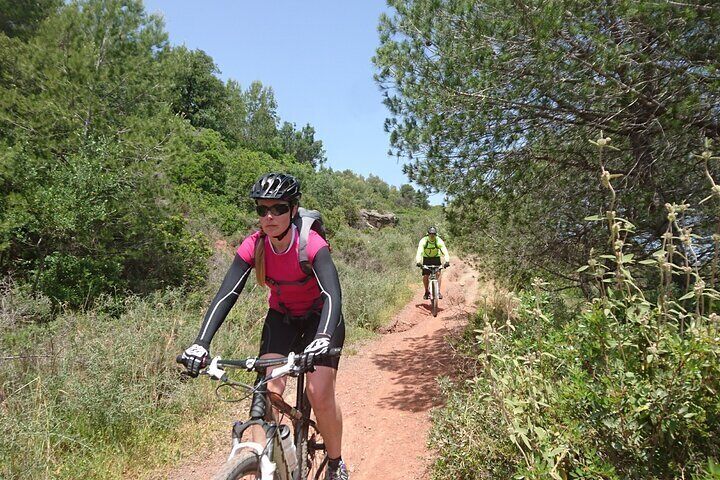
<point>198,158</point>
<point>77,280</point>
<point>20,18</point>
<point>608,393</point>
<point>622,386</point>
<point>494,105</point>
<point>95,227</point>
<point>413,197</point>
<point>347,192</point>
<point>21,307</point>
<point>242,118</point>
<point>302,144</point>
<point>109,136</point>
<point>195,92</point>
<point>375,281</point>
<point>80,213</point>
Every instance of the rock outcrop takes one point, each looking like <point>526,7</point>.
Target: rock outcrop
<point>375,219</point>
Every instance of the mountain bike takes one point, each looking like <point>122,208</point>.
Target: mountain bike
<point>285,454</point>
<point>434,287</point>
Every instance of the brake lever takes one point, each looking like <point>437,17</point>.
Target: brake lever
<point>214,371</point>
<point>285,369</point>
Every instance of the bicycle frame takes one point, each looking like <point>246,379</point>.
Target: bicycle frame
<point>433,286</point>
<point>433,278</point>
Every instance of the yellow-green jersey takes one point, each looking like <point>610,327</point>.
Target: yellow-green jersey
<point>428,248</point>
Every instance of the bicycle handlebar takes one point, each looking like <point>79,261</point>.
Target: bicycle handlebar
<point>432,267</point>
<point>255,363</point>
<point>291,362</point>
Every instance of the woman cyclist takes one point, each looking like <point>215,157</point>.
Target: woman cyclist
<point>304,309</point>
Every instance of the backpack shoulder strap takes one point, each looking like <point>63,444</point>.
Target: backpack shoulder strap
<point>306,223</point>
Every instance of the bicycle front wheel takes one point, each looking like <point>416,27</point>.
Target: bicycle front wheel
<point>434,298</point>
<point>244,466</point>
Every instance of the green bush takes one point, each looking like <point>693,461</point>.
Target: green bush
<point>592,395</point>
<point>375,270</point>
<point>96,226</point>
<point>77,280</point>
<point>19,306</point>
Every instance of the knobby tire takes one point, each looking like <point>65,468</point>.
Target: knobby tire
<point>434,298</point>
<point>244,465</point>
<point>312,463</point>
<point>312,468</point>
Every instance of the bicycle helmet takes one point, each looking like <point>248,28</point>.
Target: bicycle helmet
<point>276,186</point>
<point>432,231</point>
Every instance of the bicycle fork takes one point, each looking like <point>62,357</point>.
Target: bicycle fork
<point>271,454</point>
<point>268,465</point>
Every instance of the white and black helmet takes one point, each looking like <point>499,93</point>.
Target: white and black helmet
<point>276,186</point>
<point>432,231</point>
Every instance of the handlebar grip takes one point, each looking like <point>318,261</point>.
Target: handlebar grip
<point>180,360</point>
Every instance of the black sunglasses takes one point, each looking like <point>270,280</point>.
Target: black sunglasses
<point>276,210</point>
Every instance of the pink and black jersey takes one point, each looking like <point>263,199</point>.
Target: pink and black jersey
<point>291,290</point>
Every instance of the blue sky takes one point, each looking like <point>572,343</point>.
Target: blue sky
<point>315,54</point>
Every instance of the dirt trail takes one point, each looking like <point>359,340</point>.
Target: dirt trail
<point>387,389</point>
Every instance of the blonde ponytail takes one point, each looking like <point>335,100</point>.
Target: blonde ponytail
<point>260,259</point>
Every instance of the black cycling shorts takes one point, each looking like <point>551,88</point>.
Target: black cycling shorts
<point>283,334</point>
<point>430,261</point>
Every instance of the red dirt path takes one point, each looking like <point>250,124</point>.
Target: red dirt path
<point>388,388</point>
